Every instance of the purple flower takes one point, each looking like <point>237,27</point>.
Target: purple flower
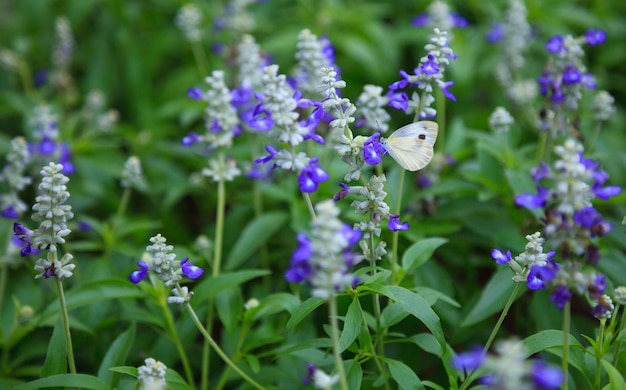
<point>311,176</point>
<point>395,225</point>
<point>310,371</point>
<point>46,146</point>
<point>496,33</point>
<point>540,275</point>
<point>458,20</point>
<point>595,37</point>
<point>300,269</point>
<point>469,361</point>
<point>140,274</point>
<point>556,44</point>
<point>195,93</point>
<point>607,192</point>
<point>373,150</point>
<point>444,88</point>
<point>241,96</point>
<point>571,75</point>
<point>541,172</point>
<point>351,235</point>
<point>599,310</point>
<point>533,201</point>
<point>545,82</point>
<point>589,81</point>
<point>10,212</point>
<point>272,152</point>
<point>345,190</point>
<point>587,217</point>
<point>84,226</point>
<point>560,296</point>
<point>597,287</point>
<point>65,159</point>
<point>545,376</point>
<point>420,20</point>
<point>501,257</point>
<point>191,138</point>
<point>24,235</point>
<point>261,119</point>
<point>430,66</point>
<point>189,270</point>
<point>398,100</point>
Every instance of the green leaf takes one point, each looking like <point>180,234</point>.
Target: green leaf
<point>254,236</point>
<point>116,355</point>
<point>209,287</point>
<point>56,357</point>
<point>274,303</point>
<point>354,374</point>
<point>493,297</point>
<point>302,311</point>
<point>351,325</point>
<point>403,375</point>
<point>427,342</point>
<point>413,304</point>
<point>421,252</point>
<point>546,339</point>
<point>229,305</point>
<point>80,381</point>
<point>392,314</point>
<point>616,380</point>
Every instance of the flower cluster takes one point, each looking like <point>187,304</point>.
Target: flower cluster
<point>237,19</point>
<point>52,215</point>
<point>95,113</point>
<point>509,368</point>
<point>323,258</point>
<point>427,76</point>
<point>62,53</point>
<point>603,106</point>
<point>313,54</point>
<point>46,136</point>
<point>159,260</point>
<point>321,380</point>
<point>570,220</point>
<point>132,176</point>
<point>562,81</point>
<point>372,115</point>
<point>439,16</point>
<point>151,376</point>
<point>500,120</point>
<point>14,179</point>
<point>277,112</point>
<point>189,20</point>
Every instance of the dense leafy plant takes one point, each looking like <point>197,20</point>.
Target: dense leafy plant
<point>314,246</point>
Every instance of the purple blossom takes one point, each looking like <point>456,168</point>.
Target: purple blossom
<point>310,371</point>
<point>560,296</point>
<point>589,81</point>
<point>191,138</point>
<point>533,201</point>
<point>597,287</point>
<point>300,269</point>
<point>46,146</point>
<point>501,257</point>
<point>140,274</point>
<point>373,150</point>
<point>345,190</point>
<point>241,96</point>
<point>195,93</point>
<point>595,37</point>
<point>444,88</point>
<point>395,225</point>
<point>311,176</point>
<point>420,20</point>
<point>469,361</point>
<point>556,44</point>
<point>24,235</point>
<point>458,20</point>
<point>430,66</point>
<point>496,33</point>
<point>398,100</point>
<point>10,212</point>
<point>351,235</point>
<point>545,376</point>
<point>540,275</point>
<point>571,75</point>
<point>260,118</point>
<point>545,82</point>
<point>607,192</point>
<point>65,159</point>
<point>587,217</point>
<point>541,172</point>
<point>272,152</point>
<point>189,270</point>
<point>599,310</point>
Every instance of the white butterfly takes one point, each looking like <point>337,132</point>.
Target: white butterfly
<point>412,145</point>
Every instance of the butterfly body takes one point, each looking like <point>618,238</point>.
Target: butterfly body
<point>412,145</point>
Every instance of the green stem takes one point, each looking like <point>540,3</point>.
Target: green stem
<point>334,333</point>
<point>200,57</point>
<point>619,344</point>
<point>566,329</point>
<point>25,75</point>
<point>596,134</point>
<point>441,120</point>
<point>121,209</point>
<point>309,204</point>
<point>226,372</point>
<point>379,365</point>
<point>541,150</point>
<point>169,323</point>
<point>66,326</point>
<point>472,375</point>
<point>394,245</point>
<point>599,353</point>
<point>218,350</point>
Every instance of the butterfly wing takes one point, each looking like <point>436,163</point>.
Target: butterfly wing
<point>412,145</point>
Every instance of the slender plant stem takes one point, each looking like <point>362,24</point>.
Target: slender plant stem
<point>26,77</point>
<point>121,209</point>
<point>622,325</point>
<point>596,134</point>
<point>169,322</point>
<point>66,326</point>
<point>441,120</point>
<point>599,353</point>
<point>218,350</point>
<point>334,334</point>
<point>309,204</point>
<point>379,365</point>
<point>235,359</point>
<point>394,244</point>
<point>541,150</point>
<point>566,327</point>
<point>200,57</point>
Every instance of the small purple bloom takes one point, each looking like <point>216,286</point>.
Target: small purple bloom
<point>496,33</point>
<point>46,146</point>
<point>556,44</point>
<point>195,93</point>
<point>560,296</point>
<point>272,152</point>
<point>599,310</point>
<point>545,376</point>
<point>351,235</point>
<point>311,176</point>
<point>589,81</point>
<point>420,20</point>
<point>24,235</point>
<point>571,75</point>
<point>597,287</point>
<point>395,225</point>
<point>501,257</point>
<point>261,119</point>
<point>191,138</point>
<point>300,269</point>
<point>587,217</point>
<point>444,88</point>
<point>10,212</point>
<point>40,78</point>
<point>533,201</point>
<point>458,20</point>
<point>373,150</point>
<point>430,67</point>
<point>140,274</point>
<point>469,361</point>
<point>595,37</point>
<point>398,100</point>
<point>310,371</point>
<point>545,82</point>
<point>607,192</point>
<point>241,96</point>
<point>541,172</point>
<point>65,157</point>
<point>345,190</point>
<point>189,270</point>
<point>424,181</point>
<point>84,226</point>
<point>540,275</point>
